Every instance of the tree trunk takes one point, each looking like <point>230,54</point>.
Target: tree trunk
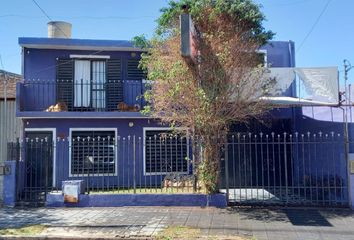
<point>209,165</point>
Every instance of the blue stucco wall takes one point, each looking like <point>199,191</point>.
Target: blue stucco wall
<point>119,200</point>
<point>280,53</point>
<point>125,175</point>
<point>62,125</point>
<point>352,191</point>
<point>41,63</point>
<point>40,69</point>
<point>9,190</point>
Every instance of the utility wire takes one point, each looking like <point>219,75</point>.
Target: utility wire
<point>82,17</point>
<point>50,19</point>
<point>314,25</point>
<point>285,4</point>
<point>71,60</point>
<point>88,17</point>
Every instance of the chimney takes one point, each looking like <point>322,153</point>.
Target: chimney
<point>59,29</point>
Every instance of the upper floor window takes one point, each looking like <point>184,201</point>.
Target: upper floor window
<point>90,84</point>
<point>98,84</point>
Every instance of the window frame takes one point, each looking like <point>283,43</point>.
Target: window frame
<point>96,90</point>
<point>71,130</point>
<point>92,90</point>
<point>145,129</point>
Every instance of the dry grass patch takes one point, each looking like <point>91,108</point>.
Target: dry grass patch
<point>178,232</point>
<point>184,233</point>
<point>24,231</point>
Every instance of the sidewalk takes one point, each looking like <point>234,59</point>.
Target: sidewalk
<point>146,222</point>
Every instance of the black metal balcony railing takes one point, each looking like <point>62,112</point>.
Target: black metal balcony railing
<point>85,96</point>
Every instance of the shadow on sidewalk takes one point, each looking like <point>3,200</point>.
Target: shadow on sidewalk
<point>309,217</point>
<point>295,216</point>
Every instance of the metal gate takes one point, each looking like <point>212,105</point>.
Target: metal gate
<point>34,171</point>
<point>285,169</point>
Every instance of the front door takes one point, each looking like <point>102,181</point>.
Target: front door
<point>38,166</point>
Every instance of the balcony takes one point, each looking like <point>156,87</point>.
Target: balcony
<point>62,98</point>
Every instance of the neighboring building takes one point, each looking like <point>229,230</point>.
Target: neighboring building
<point>10,126</point>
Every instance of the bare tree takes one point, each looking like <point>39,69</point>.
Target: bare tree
<point>207,97</point>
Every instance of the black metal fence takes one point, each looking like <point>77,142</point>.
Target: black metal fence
<point>82,96</point>
<point>285,169</point>
<point>105,163</point>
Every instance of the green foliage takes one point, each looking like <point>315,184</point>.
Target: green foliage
<point>244,11</point>
<point>140,41</point>
<point>208,175</point>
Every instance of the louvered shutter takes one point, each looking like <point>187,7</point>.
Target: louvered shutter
<point>65,81</point>
<point>134,72</point>
<point>114,88</point>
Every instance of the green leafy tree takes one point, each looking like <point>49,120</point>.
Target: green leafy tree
<point>222,88</point>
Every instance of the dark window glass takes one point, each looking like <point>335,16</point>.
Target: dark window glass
<point>93,152</point>
<point>165,152</point>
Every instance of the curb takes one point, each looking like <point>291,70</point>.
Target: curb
<point>11,237</point>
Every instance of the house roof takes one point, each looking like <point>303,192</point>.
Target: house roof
<point>12,79</point>
<point>88,44</point>
<point>77,44</point>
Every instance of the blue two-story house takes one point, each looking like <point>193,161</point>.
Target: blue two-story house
<point>79,89</point>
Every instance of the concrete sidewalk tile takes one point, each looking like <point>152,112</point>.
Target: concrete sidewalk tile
<point>267,224</point>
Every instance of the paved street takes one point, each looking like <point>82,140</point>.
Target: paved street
<point>268,224</point>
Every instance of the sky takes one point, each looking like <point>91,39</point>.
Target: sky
<point>325,43</point>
